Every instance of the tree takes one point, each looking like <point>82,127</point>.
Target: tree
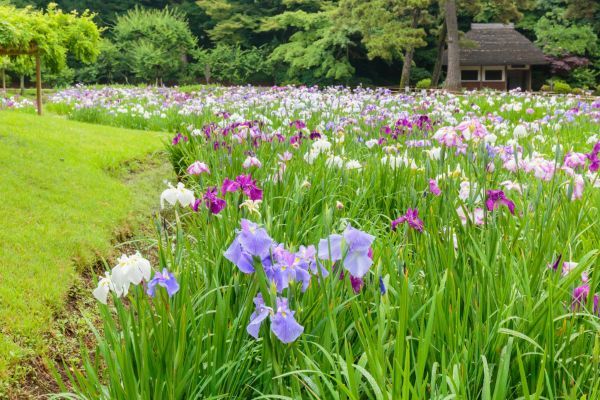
<point>4,63</point>
<point>48,36</point>
<point>453,74</point>
<point>156,44</point>
<point>318,50</point>
<point>390,29</point>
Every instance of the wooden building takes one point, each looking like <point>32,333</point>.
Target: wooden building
<point>497,56</point>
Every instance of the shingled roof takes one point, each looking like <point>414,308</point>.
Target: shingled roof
<point>498,44</point>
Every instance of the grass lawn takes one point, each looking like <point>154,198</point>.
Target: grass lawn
<point>63,195</point>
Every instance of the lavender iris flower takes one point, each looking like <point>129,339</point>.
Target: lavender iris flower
<point>289,268</point>
<point>358,244</point>
<point>258,316</point>
<point>251,241</point>
<point>496,198</point>
<point>164,279</point>
<point>283,323</point>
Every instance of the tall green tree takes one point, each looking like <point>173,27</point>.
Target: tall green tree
<point>156,44</point>
<point>318,50</point>
<point>390,29</point>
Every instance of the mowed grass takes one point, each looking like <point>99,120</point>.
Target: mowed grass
<point>63,192</point>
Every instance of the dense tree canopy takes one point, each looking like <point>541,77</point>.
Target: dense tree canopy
<point>53,33</point>
<point>312,41</point>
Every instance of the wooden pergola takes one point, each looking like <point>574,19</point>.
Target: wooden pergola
<point>33,51</point>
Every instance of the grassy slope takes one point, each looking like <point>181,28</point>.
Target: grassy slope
<point>61,201</point>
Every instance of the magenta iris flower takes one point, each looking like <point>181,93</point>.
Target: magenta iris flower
<point>594,159</point>
<point>434,188</point>
<point>179,138</point>
<point>164,279</point>
<point>356,248</point>
<point>245,183</point>
<point>411,218</point>
<point>580,295</point>
<point>497,197</point>
<point>212,202</point>
<point>283,323</point>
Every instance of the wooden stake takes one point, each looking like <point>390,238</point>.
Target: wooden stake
<point>38,82</point>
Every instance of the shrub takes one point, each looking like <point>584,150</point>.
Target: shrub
<point>545,88</point>
<point>424,84</point>
<point>561,87</point>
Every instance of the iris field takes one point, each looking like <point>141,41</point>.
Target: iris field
<point>355,244</point>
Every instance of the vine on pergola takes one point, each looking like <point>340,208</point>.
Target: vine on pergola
<point>48,36</point>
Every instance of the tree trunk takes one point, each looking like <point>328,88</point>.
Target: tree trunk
<point>453,75</point>
<point>437,68</point>
<point>3,73</point>
<point>410,51</point>
<point>22,84</point>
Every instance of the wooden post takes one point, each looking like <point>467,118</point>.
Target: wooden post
<point>38,82</point>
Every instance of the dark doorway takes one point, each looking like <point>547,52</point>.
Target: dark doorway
<point>518,78</point>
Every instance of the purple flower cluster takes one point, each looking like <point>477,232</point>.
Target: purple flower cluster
<point>244,183</point>
<point>495,198</point>
<point>178,138</point>
<point>594,159</point>
<point>254,247</point>
<point>411,217</point>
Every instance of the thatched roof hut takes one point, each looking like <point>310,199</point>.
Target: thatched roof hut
<point>498,57</point>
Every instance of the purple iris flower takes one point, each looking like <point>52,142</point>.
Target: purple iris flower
<point>580,295</point>
<point>214,203</point>
<point>283,323</point>
<point>245,183</point>
<point>594,159</point>
<point>251,241</point>
<point>497,197</point>
<point>288,268</point>
<point>307,257</point>
<point>164,279</point>
<point>434,188</point>
<point>178,138</point>
<point>357,284</point>
<point>298,124</point>
<point>196,205</point>
<point>411,218</point>
<point>358,244</point>
<point>258,316</point>
<point>229,186</point>
<point>382,287</point>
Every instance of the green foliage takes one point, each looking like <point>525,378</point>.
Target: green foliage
<point>559,86</point>
<point>52,32</point>
<point>318,52</point>
<point>385,26</point>
<point>558,39</point>
<point>233,65</point>
<point>155,44</point>
<point>584,77</point>
<point>109,67</point>
<point>424,84</point>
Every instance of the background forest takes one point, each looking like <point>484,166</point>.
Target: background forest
<point>309,41</point>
